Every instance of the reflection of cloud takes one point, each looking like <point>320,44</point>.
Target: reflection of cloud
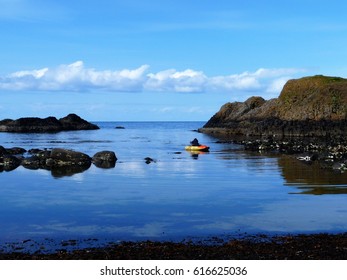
<point>154,229</point>
<point>78,178</point>
<point>228,225</point>
<point>43,172</point>
<point>182,168</point>
<point>133,168</point>
<point>64,228</point>
<point>285,216</point>
<point>177,168</point>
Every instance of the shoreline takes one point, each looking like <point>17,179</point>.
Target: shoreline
<point>328,152</point>
<point>318,246</point>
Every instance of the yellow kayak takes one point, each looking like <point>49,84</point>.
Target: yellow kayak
<point>201,148</point>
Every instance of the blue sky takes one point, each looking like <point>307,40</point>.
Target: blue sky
<point>160,60</point>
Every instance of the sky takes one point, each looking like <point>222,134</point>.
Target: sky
<point>160,60</point>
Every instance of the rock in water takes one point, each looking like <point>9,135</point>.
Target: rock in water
<point>9,162</point>
<point>74,122</point>
<point>105,159</point>
<point>63,157</point>
<point>50,124</point>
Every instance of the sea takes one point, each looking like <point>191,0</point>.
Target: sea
<point>177,196</point>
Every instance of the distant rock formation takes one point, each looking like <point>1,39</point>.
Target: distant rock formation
<point>311,106</point>
<point>50,124</point>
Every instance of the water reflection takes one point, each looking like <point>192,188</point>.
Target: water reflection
<point>311,178</point>
<point>63,171</point>
<point>304,178</point>
<point>195,154</point>
<point>225,190</point>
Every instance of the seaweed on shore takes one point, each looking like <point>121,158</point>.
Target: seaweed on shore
<point>260,247</point>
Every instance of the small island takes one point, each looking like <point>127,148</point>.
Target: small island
<point>50,124</point>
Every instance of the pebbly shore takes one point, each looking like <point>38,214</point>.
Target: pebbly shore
<point>258,247</point>
<point>329,153</point>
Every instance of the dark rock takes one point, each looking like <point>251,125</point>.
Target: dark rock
<point>32,162</point>
<point>105,159</point>
<point>74,122</point>
<point>63,157</point>
<point>61,162</point>
<point>15,151</point>
<point>2,151</point>
<point>50,124</point>
<point>149,160</point>
<point>120,127</point>
<point>9,162</point>
<point>328,153</point>
<point>34,151</point>
<point>44,154</point>
<point>41,155</point>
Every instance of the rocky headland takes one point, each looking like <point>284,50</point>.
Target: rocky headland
<point>50,124</point>
<point>311,106</point>
<point>309,118</point>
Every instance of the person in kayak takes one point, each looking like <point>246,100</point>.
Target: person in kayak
<point>195,142</point>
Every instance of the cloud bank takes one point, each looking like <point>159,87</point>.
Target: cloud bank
<point>77,77</point>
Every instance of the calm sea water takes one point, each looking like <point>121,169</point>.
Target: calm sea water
<point>223,192</point>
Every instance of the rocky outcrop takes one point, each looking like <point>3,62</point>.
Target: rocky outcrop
<point>311,106</point>
<point>50,124</point>
<point>62,157</point>
<point>61,162</point>
<point>74,122</point>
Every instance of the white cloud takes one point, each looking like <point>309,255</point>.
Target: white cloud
<point>234,82</point>
<point>172,80</point>
<point>276,85</point>
<point>77,77</point>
